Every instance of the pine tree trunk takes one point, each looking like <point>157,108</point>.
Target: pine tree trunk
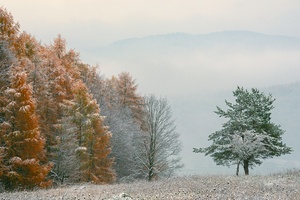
<point>246,167</point>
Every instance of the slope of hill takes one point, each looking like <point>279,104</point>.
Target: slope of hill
<point>177,41</point>
<point>202,63</point>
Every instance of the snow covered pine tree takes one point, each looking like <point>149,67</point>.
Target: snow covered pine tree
<point>248,136</point>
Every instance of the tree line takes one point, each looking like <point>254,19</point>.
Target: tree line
<point>61,121</point>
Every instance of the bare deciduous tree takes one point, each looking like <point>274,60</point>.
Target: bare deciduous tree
<point>159,145</point>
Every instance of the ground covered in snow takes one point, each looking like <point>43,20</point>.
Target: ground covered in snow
<point>276,186</point>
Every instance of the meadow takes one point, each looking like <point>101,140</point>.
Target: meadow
<point>283,185</point>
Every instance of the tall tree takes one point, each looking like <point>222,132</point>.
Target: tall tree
<point>124,109</point>
<point>23,144</point>
<point>119,116</point>
<point>92,136</point>
<point>54,75</point>
<point>248,136</point>
<point>159,145</point>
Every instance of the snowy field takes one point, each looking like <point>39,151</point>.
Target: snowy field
<point>276,186</point>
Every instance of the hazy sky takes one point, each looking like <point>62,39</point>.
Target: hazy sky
<point>89,23</point>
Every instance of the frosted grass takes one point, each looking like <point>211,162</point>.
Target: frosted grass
<point>284,185</point>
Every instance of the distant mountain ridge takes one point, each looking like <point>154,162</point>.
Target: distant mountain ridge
<point>185,40</point>
<point>203,58</point>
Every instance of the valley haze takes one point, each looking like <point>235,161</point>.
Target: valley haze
<point>198,72</point>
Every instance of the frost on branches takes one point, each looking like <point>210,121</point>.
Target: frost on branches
<point>248,136</point>
<point>23,157</point>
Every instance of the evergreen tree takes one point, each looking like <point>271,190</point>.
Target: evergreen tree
<point>248,136</point>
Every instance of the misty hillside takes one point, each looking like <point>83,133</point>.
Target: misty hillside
<point>203,63</point>
<point>183,41</point>
<point>198,72</point>
<point>162,46</point>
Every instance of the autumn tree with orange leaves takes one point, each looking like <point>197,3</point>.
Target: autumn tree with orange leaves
<point>93,138</point>
<point>51,107</point>
<point>23,145</point>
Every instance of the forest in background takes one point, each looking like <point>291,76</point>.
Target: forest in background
<point>63,122</point>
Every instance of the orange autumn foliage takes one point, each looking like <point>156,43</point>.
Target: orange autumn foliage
<point>127,96</point>
<point>8,29</point>
<point>23,143</point>
<point>34,118</point>
<point>93,138</point>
